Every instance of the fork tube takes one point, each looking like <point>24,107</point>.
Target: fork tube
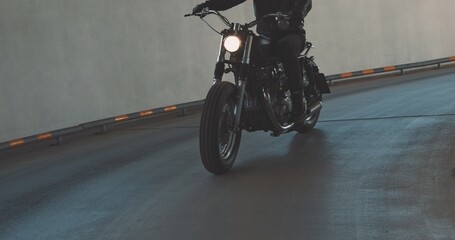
<point>219,67</point>
<point>243,76</point>
<point>247,53</point>
<point>241,87</point>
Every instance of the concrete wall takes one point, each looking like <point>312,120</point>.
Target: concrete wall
<point>360,34</point>
<point>65,62</point>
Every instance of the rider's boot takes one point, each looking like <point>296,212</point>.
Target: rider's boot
<point>299,107</point>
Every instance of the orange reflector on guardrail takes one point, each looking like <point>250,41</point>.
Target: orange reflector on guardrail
<point>346,75</point>
<point>44,136</point>
<point>16,142</point>
<point>121,118</point>
<point>390,68</point>
<point>146,113</point>
<point>368,71</point>
<point>452,58</point>
<point>170,108</point>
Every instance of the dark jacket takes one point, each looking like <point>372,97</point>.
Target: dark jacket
<point>299,8</point>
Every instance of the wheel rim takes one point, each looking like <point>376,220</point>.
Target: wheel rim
<point>226,132</point>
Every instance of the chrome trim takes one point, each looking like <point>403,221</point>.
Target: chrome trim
<point>222,51</point>
<point>315,107</point>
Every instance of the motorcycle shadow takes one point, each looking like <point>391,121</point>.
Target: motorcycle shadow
<point>301,153</point>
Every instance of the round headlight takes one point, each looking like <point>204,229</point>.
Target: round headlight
<point>232,43</point>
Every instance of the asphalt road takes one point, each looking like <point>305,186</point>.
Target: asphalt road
<point>378,166</point>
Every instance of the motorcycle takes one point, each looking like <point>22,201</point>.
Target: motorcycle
<point>259,99</point>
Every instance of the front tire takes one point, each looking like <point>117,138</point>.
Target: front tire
<point>218,140</point>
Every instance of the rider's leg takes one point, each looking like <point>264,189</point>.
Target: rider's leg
<point>288,48</point>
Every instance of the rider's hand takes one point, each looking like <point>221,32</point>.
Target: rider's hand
<point>199,8</point>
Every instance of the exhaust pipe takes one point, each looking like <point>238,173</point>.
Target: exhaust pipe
<point>315,107</point>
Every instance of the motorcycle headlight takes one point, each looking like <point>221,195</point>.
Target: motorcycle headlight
<point>232,44</point>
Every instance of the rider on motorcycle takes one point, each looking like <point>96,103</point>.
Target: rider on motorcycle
<point>289,43</point>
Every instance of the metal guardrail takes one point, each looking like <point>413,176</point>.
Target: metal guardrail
<point>103,123</point>
<point>400,68</point>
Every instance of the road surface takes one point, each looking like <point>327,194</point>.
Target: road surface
<point>378,165</point>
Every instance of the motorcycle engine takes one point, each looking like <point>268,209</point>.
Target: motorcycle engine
<point>274,81</point>
<point>281,97</point>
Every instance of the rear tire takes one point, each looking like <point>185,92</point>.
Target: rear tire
<point>218,140</point>
<point>310,121</point>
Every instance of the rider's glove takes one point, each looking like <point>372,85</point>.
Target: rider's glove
<point>199,8</point>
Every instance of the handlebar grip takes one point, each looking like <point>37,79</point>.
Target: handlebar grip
<point>188,15</point>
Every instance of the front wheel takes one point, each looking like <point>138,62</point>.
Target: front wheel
<point>219,141</point>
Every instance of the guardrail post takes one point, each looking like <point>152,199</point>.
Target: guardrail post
<point>183,113</point>
<point>58,141</point>
<point>103,129</point>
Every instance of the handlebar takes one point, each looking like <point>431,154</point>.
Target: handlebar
<point>278,16</point>
<point>206,12</point>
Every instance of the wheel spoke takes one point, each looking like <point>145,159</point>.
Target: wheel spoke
<point>226,138</point>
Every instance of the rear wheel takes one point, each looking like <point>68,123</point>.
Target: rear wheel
<point>313,95</point>
<point>310,120</point>
<point>219,141</point>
